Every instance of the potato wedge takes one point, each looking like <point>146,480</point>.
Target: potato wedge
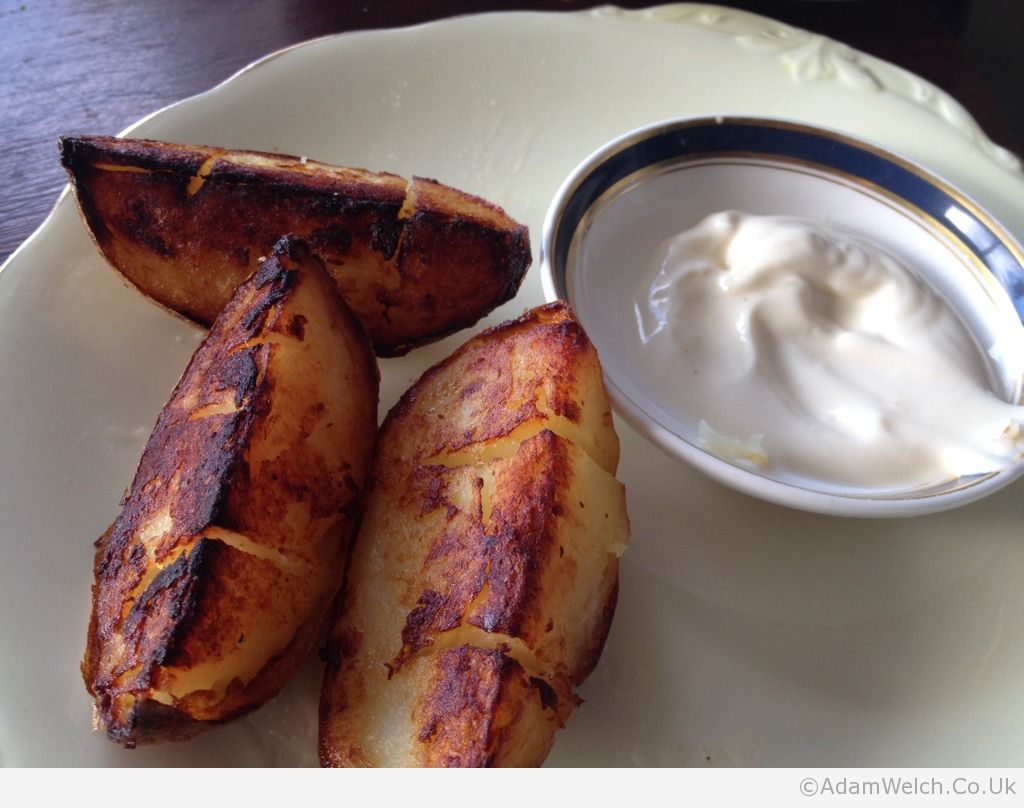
<point>415,260</point>
<point>484,577</point>
<point>213,583</point>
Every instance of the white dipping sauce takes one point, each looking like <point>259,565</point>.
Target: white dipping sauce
<point>800,348</point>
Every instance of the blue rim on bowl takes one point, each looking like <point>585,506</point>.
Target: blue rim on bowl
<point>613,172</point>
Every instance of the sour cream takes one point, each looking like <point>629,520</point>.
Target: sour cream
<point>799,348</point>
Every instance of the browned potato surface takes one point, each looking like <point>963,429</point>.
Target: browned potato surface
<point>414,260</point>
<point>484,577</point>
<point>215,579</point>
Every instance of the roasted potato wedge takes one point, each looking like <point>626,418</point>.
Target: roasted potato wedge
<point>415,260</point>
<point>214,582</point>
<point>484,577</point>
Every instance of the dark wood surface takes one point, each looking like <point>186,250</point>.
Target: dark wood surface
<point>98,65</point>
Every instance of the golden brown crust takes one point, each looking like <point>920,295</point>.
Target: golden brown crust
<point>484,577</point>
<point>511,565</point>
<point>474,706</point>
<point>185,224</point>
<point>213,580</point>
<point>538,368</point>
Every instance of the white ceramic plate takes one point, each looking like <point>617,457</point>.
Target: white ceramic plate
<point>746,633</point>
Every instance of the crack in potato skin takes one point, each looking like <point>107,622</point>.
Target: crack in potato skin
<point>213,580</point>
<point>484,578</point>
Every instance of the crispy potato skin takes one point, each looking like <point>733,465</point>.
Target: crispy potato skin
<point>414,260</point>
<point>213,582</point>
<point>483,582</point>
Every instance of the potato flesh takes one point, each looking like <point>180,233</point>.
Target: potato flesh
<point>261,635</point>
<point>490,535</point>
<point>214,579</point>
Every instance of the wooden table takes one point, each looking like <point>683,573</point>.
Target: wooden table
<point>95,66</point>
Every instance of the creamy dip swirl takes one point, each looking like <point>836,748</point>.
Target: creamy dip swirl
<point>802,348</point>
